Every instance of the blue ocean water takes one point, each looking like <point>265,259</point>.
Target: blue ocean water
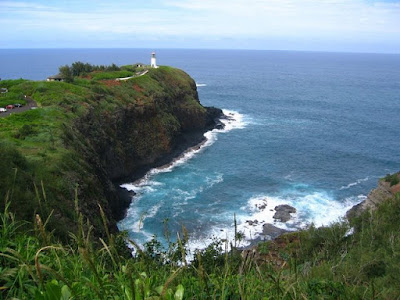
<point>313,130</point>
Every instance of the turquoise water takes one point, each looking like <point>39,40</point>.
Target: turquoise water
<point>313,130</point>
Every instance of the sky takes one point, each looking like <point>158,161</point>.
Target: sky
<point>311,25</point>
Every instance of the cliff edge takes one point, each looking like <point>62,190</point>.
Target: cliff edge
<point>386,189</point>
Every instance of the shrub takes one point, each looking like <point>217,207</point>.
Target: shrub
<point>393,179</point>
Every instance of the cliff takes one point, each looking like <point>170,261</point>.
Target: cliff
<point>384,191</point>
<point>88,135</point>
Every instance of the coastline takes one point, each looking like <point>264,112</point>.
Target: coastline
<point>190,143</point>
<point>382,192</point>
<point>185,143</point>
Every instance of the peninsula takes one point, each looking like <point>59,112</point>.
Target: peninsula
<point>91,129</point>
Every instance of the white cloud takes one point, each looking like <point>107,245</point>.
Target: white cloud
<point>211,19</point>
<point>264,17</point>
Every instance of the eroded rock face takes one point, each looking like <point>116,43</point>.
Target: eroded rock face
<point>134,136</point>
<point>374,198</point>
<point>283,212</point>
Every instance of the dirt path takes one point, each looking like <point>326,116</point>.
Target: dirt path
<point>29,104</point>
<point>135,76</point>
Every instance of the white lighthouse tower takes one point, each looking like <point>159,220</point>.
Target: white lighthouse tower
<point>153,63</point>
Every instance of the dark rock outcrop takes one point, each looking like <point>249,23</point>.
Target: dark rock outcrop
<point>272,231</point>
<point>283,212</point>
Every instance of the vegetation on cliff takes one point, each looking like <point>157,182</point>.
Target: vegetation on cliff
<point>89,132</point>
<point>318,263</point>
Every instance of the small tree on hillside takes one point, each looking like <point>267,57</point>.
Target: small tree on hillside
<point>66,73</point>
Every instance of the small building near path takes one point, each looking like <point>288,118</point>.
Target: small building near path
<point>139,65</point>
<point>57,77</point>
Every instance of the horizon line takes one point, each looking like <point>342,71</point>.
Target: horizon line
<point>212,49</point>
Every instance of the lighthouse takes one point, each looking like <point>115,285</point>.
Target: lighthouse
<point>153,60</point>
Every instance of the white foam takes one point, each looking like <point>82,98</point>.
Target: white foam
<point>260,208</point>
<point>139,219</point>
<point>358,181</point>
<point>215,233</point>
<point>200,84</point>
<point>211,181</point>
<point>317,207</point>
<point>233,120</point>
<point>141,185</point>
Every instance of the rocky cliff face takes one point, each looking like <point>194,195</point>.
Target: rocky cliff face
<point>130,139</point>
<point>383,192</point>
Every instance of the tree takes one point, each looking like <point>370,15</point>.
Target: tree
<point>66,73</point>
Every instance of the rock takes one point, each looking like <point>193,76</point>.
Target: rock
<point>219,125</point>
<point>272,231</point>
<point>374,198</point>
<point>262,206</point>
<point>251,223</point>
<point>283,212</point>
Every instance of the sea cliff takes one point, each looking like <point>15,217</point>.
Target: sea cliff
<point>69,155</point>
<point>384,191</point>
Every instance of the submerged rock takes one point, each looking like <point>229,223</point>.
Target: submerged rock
<point>283,212</point>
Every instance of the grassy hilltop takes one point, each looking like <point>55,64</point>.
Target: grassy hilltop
<point>58,238</point>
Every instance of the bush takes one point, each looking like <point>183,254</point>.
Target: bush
<point>393,179</point>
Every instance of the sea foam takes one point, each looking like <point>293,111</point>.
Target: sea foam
<point>134,220</point>
<point>358,181</point>
<point>316,207</point>
<point>232,120</point>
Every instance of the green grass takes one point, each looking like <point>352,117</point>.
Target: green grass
<point>11,82</point>
<point>11,98</point>
<point>51,93</point>
<point>111,75</point>
<point>322,264</point>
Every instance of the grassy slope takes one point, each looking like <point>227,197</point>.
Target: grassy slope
<point>314,264</point>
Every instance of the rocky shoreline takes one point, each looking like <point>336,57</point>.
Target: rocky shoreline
<point>186,142</point>
<point>381,193</point>
<point>283,213</point>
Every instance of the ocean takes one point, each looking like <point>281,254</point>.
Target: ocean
<point>310,129</point>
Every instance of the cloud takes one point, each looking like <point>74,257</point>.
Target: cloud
<point>204,19</point>
<point>291,17</point>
